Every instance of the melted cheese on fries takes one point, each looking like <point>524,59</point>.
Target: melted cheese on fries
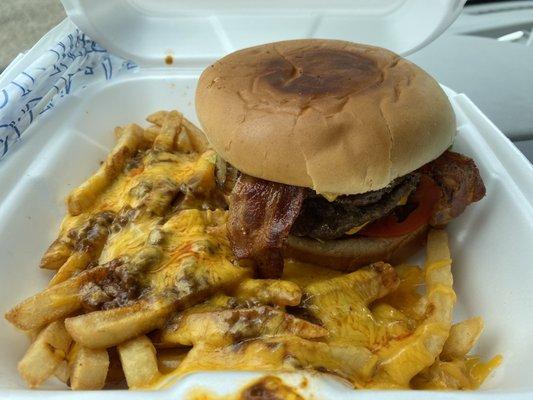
<point>145,274</point>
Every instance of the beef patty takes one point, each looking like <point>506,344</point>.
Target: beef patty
<point>326,220</point>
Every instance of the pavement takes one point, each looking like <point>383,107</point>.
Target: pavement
<point>23,22</point>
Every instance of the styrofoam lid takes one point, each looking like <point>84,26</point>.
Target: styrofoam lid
<point>193,32</point>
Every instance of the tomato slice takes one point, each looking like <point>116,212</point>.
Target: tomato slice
<point>424,198</point>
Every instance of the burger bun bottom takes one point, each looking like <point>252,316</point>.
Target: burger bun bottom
<point>351,253</point>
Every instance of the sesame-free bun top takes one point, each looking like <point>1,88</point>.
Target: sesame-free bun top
<point>334,116</point>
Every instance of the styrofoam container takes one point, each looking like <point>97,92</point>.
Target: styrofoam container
<point>492,242</point>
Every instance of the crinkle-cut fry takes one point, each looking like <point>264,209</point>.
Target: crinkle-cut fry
<point>230,326</point>
<point>459,374</point>
<point>368,284</point>
<point>56,302</point>
<point>355,363</point>
<point>403,359</point>
<point>341,304</point>
<point>463,336</point>
<point>56,254</point>
<point>77,261</point>
<point>288,353</point>
<point>87,368</point>
<point>81,198</point>
<point>139,362</point>
<point>168,132</point>
<point>443,375</point>
<point>45,354</point>
<point>439,279</point>
<point>396,324</point>
<point>102,329</point>
<point>269,291</point>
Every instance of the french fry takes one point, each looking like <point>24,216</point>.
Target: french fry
<point>53,303</point>
<point>87,368</point>
<point>45,354</point>
<point>182,142</point>
<point>269,291</point>
<point>81,198</point>
<point>170,359</point>
<point>202,181</point>
<point>401,360</point>
<point>56,255</point>
<point>463,336</point>
<point>196,136</point>
<point>102,329</point>
<point>169,131</point>
<point>157,118</point>
<point>62,371</point>
<point>139,362</point>
<point>151,133</point>
<point>225,327</point>
<point>349,295</point>
<point>94,234</point>
<point>355,363</point>
<point>77,261</point>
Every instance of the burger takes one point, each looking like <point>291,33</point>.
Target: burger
<point>341,153</point>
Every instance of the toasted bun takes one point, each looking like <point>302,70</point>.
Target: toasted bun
<point>334,116</point>
<point>349,254</point>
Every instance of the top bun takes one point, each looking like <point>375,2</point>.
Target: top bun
<point>334,116</point>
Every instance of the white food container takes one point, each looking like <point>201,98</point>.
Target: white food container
<point>492,242</point>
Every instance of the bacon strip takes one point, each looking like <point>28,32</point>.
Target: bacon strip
<point>461,184</point>
<point>261,216</point>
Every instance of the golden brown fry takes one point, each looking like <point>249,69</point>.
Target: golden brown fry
<point>77,261</point>
<point>53,303</point>
<point>45,354</point>
<point>102,329</point>
<point>463,336</point>
<point>182,142</point>
<point>169,130</point>
<point>139,362</point>
<point>196,136</point>
<point>62,371</point>
<point>401,360</point>
<point>81,198</point>
<point>229,326</point>
<point>341,304</point>
<point>396,324</point>
<point>87,368</point>
<point>269,291</point>
<point>170,359</point>
<point>202,181</point>
<point>56,254</point>
<point>459,374</point>
<point>151,133</point>
<point>157,117</point>
<point>354,363</point>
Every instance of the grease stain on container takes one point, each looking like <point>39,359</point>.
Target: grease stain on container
<point>266,388</point>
